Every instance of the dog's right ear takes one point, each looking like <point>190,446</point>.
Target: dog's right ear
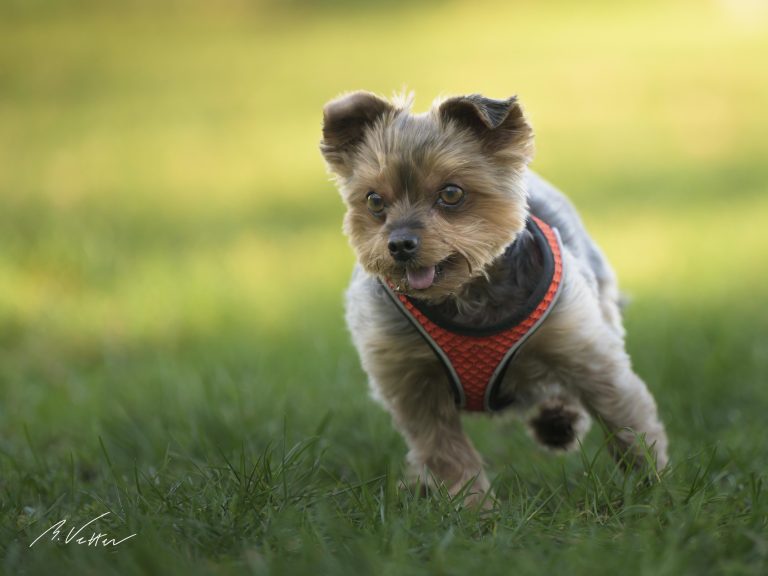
<point>345,120</point>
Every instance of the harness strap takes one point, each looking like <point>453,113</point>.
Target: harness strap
<point>476,360</point>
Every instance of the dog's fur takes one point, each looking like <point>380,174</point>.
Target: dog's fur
<point>573,366</point>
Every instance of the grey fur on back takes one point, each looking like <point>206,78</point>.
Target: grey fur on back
<point>552,206</point>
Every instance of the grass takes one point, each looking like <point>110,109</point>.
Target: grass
<point>171,275</point>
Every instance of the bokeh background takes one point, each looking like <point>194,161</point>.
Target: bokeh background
<point>171,259</point>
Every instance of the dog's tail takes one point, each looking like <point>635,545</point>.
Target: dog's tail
<point>624,300</point>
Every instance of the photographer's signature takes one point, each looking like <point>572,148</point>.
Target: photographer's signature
<point>73,536</point>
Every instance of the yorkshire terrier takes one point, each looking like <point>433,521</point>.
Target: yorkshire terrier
<point>477,287</point>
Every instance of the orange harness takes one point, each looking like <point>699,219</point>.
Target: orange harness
<point>476,359</point>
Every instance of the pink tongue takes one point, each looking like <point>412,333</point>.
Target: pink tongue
<point>421,278</point>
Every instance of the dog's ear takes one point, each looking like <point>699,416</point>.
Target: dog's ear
<point>500,124</point>
<point>345,120</point>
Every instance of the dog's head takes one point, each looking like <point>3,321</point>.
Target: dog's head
<point>432,198</point>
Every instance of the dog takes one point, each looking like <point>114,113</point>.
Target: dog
<point>477,287</point>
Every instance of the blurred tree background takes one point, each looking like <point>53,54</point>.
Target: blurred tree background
<point>159,160</point>
<point>171,260</point>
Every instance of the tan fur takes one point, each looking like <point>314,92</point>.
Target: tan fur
<point>575,362</point>
<point>427,153</point>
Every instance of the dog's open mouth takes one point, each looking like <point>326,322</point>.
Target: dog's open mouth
<point>417,278</point>
<point>421,278</point>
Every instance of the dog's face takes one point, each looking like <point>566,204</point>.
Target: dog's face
<point>432,199</point>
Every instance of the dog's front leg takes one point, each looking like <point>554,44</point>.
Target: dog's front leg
<point>440,451</point>
<point>424,411</point>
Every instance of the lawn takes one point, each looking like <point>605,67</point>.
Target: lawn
<point>172,348</point>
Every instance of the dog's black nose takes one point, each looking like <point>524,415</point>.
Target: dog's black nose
<point>403,245</point>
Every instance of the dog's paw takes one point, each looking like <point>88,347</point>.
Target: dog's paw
<point>474,493</point>
<point>558,425</point>
<point>469,492</point>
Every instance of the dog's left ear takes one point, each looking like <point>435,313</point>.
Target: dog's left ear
<point>345,120</point>
<point>500,124</point>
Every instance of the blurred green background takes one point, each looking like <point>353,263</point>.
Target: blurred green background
<point>171,260</point>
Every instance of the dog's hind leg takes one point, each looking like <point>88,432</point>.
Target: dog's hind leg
<point>590,354</point>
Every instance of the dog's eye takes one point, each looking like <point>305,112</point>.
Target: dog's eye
<point>451,195</point>
<point>375,202</point>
